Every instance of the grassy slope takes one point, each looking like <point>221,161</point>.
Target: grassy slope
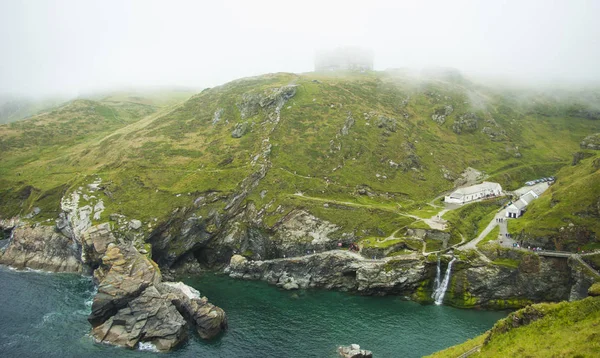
<point>470,220</point>
<point>565,329</point>
<point>573,199</point>
<point>155,163</point>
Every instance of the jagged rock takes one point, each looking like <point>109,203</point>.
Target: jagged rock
<point>494,133</point>
<point>341,270</point>
<point>96,241</point>
<point>466,123</point>
<point>440,114</point>
<point>591,142</point>
<point>252,103</point>
<point>411,159</point>
<point>217,116</point>
<point>33,213</point>
<point>124,275</point>
<point>132,306</point>
<point>41,247</point>
<point>240,129</point>
<point>135,224</point>
<point>537,279</point>
<point>208,319</point>
<point>389,124</point>
<point>299,231</point>
<point>78,218</point>
<point>147,318</point>
<point>348,124</point>
<point>64,226</point>
<point>354,351</point>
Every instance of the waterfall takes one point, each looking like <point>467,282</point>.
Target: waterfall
<point>438,294</point>
<point>436,284</point>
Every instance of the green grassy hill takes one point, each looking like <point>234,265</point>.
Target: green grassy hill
<point>379,143</point>
<point>14,108</point>
<point>567,215</point>
<point>565,329</point>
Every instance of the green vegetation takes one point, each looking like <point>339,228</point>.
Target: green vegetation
<point>540,330</point>
<point>593,260</point>
<point>362,149</point>
<point>510,263</point>
<point>470,220</point>
<point>493,235</point>
<point>433,245</point>
<point>568,212</point>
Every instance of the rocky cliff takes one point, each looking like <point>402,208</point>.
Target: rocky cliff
<point>39,247</point>
<point>340,270</point>
<point>474,282</point>
<point>133,306</point>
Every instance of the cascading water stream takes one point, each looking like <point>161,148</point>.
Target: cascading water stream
<point>438,294</point>
<point>436,284</point>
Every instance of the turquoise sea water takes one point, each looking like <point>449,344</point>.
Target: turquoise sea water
<point>44,315</point>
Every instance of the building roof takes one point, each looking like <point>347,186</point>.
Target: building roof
<point>473,189</point>
<point>513,207</point>
<point>520,204</point>
<point>528,198</point>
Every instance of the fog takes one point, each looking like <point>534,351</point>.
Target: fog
<point>73,47</point>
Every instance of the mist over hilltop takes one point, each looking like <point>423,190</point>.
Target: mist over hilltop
<point>75,47</point>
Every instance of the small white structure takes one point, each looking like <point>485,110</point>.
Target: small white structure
<point>474,192</point>
<point>518,208</point>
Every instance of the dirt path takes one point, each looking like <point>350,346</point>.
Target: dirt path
<point>472,245</point>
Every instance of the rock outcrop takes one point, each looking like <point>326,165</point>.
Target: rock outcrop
<point>465,123</point>
<point>340,270</point>
<point>147,318</point>
<point>354,351</point>
<point>123,276</point>
<point>42,248</point>
<point>134,307</point>
<point>591,142</point>
<point>209,319</point>
<point>536,279</point>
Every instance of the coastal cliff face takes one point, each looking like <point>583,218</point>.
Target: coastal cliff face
<point>41,248</point>
<point>473,282</point>
<point>536,279</point>
<point>340,270</point>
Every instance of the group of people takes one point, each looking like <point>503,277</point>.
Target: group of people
<point>499,220</point>
<point>535,248</point>
<point>354,247</point>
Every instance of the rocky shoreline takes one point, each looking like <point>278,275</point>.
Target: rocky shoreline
<point>133,305</point>
<point>475,283</point>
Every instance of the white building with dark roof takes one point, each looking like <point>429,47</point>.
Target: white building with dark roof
<point>518,208</point>
<point>474,192</point>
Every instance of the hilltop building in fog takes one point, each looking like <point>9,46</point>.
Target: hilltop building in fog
<point>344,59</point>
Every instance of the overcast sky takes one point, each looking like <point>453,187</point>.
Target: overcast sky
<point>76,46</point>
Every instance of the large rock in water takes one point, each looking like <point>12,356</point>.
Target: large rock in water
<point>41,247</point>
<point>148,318</point>
<point>129,274</point>
<point>354,351</point>
<point>209,319</point>
<point>132,306</point>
